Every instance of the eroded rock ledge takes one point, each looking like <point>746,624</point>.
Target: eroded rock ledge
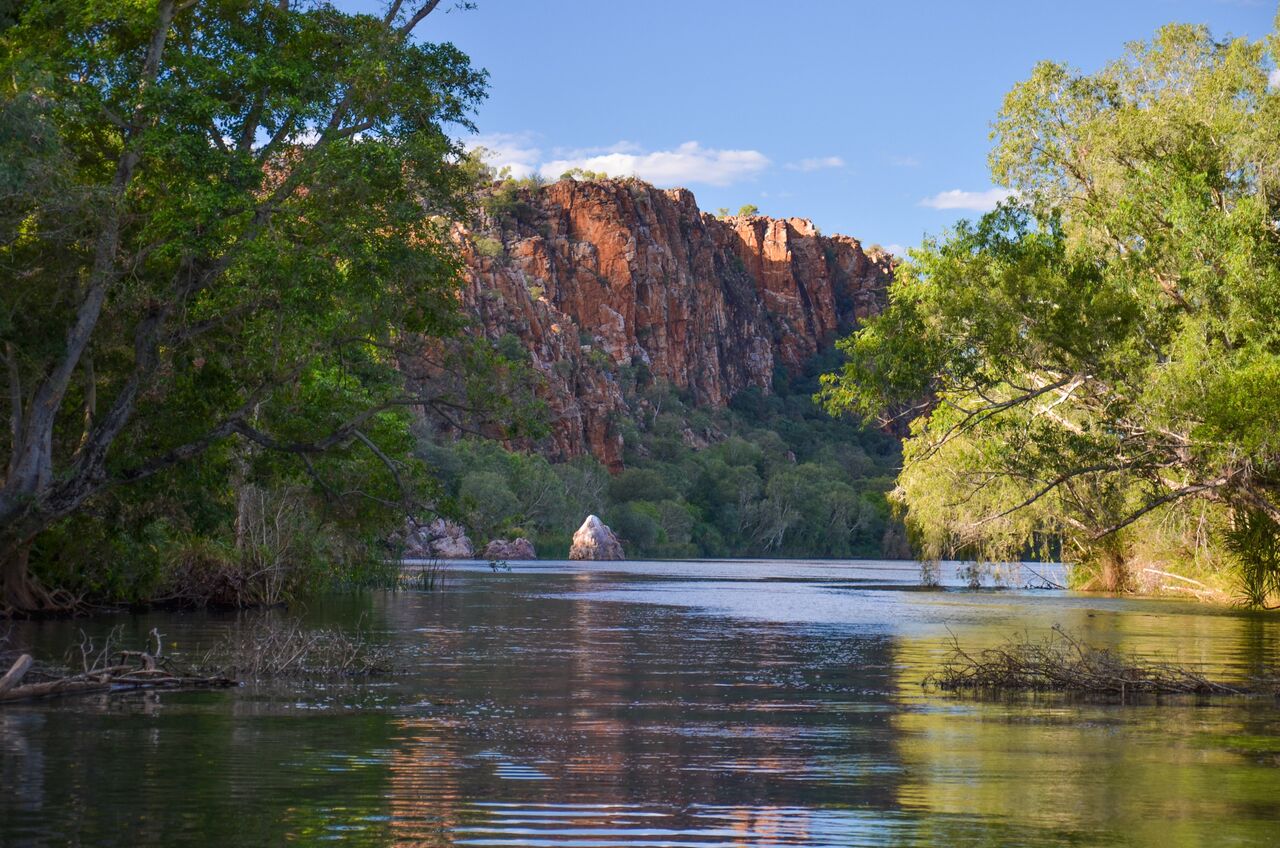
<point>596,276</point>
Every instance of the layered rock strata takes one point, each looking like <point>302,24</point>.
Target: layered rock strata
<point>603,280</point>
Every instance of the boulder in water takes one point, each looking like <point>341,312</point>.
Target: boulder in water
<point>595,541</point>
<point>520,548</point>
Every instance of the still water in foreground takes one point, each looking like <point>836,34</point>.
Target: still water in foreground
<point>725,703</point>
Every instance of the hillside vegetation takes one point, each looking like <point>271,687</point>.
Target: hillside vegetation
<point>771,475</point>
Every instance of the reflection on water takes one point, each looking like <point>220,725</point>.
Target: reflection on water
<point>663,704</point>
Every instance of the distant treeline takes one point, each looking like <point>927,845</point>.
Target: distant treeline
<point>772,475</point>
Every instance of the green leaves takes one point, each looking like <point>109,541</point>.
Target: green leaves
<point>255,207</point>
<point>1083,359</point>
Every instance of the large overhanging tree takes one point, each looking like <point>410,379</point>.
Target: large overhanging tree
<point>216,219</point>
<point>1097,362</point>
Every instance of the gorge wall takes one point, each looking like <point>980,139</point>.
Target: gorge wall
<point>597,276</point>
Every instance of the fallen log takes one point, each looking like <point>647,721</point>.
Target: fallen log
<point>108,671</point>
<point>15,674</point>
<point>113,685</point>
<point>33,691</point>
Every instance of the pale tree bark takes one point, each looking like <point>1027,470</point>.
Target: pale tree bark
<point>31,461</point>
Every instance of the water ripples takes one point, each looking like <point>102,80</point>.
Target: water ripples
<point>605,709</point>
<point>696,826</point>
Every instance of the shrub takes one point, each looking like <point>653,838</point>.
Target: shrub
<point>490,248</point>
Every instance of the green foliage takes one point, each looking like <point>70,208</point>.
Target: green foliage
<point>583,174</point>
<point>747,210</point>
<point>1099,360</point>
<point>502,494</point>
<point>771,476</point>
<point>600,360</point>
<point>490,248</point>
<point>487,501</point>
<point>508,202</point>
<point>1254,541</point>
<point>217,256</point>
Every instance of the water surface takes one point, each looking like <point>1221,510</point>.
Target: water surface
<point>702,703</point>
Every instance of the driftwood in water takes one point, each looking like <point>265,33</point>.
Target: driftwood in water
<point>15,674</point>
<point>269,650</point>
<point>107,670</point>
<point>1059,663</point>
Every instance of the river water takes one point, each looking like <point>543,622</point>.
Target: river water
<point>684,704</point>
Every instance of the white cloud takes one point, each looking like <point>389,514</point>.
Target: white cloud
<point>509,150</point>
<point>818,163</point>
<point>689,163</point>
<point>686,164</point>
<point>974,201</point>
<point>896,250</point>
<point>904,161</point>
<point>1274,78</point>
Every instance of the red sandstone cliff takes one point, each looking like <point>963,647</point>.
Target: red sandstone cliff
<point>595,276</point>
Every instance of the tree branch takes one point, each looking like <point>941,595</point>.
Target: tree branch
<point>33,468</point>
<point>385,460</point>
<point>1177,494</point>
<point>417,17</point>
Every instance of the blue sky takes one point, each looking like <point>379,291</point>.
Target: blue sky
<point>871,118</point>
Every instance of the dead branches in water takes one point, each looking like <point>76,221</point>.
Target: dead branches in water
<point>103,669</point>
<point>275,649</point>
<point>269,649</point>
<point>1059,663</point>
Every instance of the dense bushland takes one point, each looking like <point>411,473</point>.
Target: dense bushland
<point>770,476</point>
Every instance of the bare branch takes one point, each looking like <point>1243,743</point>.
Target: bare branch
<point>416,18</point>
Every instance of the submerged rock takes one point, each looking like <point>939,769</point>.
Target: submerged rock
<point>520,548</point>
<point>440,539</point>
<point>594,540</point>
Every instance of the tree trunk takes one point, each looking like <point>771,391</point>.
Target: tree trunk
<point>18,590</point>
<point>1115,572</point>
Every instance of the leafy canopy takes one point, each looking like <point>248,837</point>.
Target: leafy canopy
<point>1097,362</point>
<point>219,224</point>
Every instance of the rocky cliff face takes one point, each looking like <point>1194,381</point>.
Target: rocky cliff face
<point>597,277</point>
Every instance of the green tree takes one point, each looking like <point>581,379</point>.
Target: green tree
<point>748,209</point>
<point>1098,361</point>
<point>488,503</point>
<point>219,220</point>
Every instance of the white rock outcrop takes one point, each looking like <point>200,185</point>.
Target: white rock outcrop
<point>595,541</point>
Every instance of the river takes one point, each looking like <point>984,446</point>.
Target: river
<point>682,704</point>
